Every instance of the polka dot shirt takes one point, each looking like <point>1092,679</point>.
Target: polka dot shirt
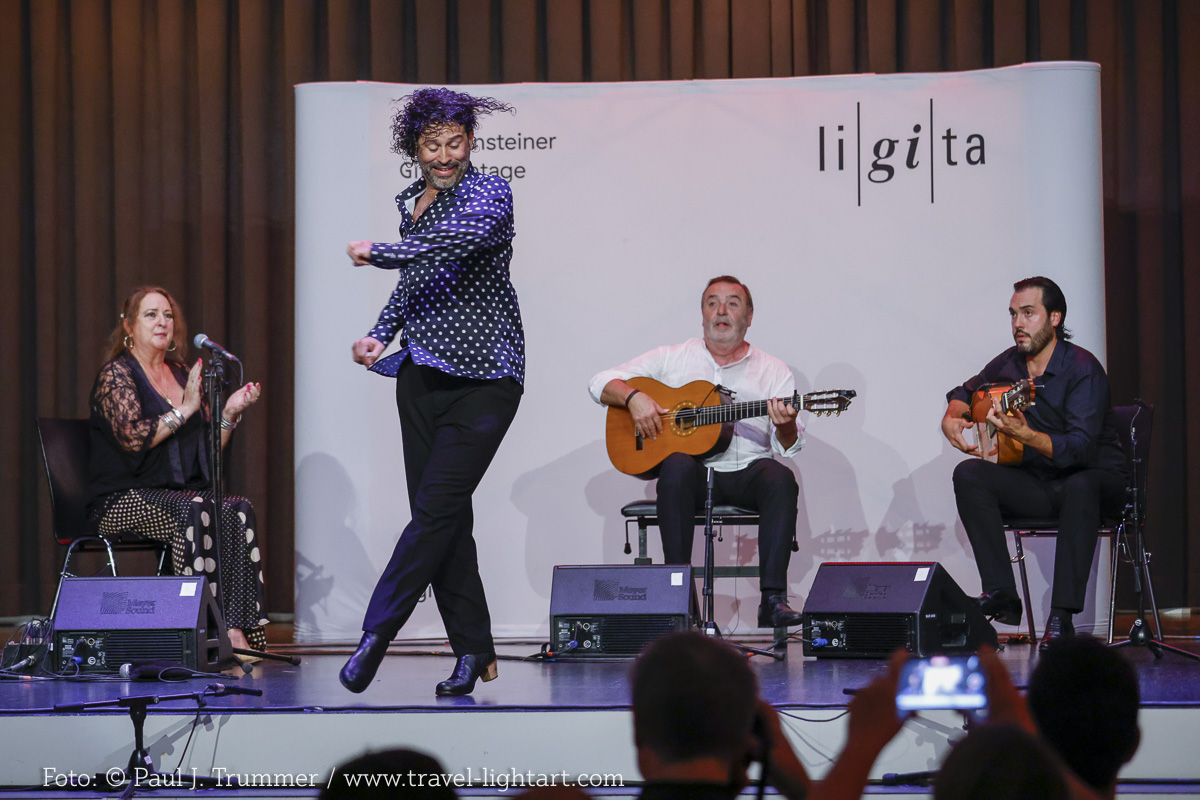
<point>454,306</point>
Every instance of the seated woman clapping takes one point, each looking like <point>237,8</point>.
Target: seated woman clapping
<point>150,470</point>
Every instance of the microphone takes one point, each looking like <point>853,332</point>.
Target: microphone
<point>203,341</point>
<point>155,671</point>
<point>221,689</point>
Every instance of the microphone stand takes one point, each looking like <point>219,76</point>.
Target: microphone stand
<point>214,382</point>
<point>1140,634</point>
<point>708,624</point>
<point>140,770</point>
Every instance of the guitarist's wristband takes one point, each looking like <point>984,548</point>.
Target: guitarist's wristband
<point>630,396</point>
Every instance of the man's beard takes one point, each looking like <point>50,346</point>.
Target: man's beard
<point>440,183</point>
<point>1036,343</point>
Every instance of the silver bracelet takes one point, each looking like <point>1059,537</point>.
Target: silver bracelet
<point>178,415</point>
<point>170,422</point>
<point>226,425</point>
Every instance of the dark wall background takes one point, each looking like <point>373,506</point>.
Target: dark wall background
<point>152,141</point>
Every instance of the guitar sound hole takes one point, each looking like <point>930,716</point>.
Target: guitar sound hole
<point>683,419</point>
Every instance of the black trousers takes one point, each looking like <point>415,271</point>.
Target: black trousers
<point>452,428</point>
<point>987,492</point>
<point>766,486</point>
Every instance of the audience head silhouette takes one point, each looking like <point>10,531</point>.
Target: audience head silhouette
<point>694,710</point>
<point>1084,699</point>
<point>399,773</point>
<point>1000,762</point>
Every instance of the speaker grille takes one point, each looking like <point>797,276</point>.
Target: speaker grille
<point>877,632</point>
<point>126,646</point>
<point>627,635</point>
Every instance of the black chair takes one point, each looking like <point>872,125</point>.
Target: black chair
<point>1140,415</point>
<point>644,513</point>
<point>66,450</point>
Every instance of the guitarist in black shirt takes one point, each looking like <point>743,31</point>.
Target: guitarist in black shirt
<point>1071,465</point>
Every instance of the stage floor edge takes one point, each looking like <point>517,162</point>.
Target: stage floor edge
<point>539,722</point>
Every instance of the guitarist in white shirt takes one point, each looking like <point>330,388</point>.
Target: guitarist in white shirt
<point>746,473</point>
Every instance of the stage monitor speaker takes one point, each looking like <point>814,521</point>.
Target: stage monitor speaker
<point>616,610</point>
<point>868,610</point>
<point>103,623</point>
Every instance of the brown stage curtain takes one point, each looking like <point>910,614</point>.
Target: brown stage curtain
<point>152,141</point>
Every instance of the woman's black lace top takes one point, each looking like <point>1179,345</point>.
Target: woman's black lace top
<point>125,408</point>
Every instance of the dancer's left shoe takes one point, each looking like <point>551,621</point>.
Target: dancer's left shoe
<point>468,669</point>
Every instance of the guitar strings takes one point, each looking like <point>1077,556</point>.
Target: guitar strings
<point>737,411</point>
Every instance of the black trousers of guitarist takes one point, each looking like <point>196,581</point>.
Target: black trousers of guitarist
<point>452,428</point>
<point>766,486</point>
<point>987,492</point>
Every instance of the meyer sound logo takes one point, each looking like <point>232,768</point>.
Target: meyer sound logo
<point>119,603</point>
<point>140,607</point>
<point>607,590</point>
<point>863,589</point>
<point>926,150</point>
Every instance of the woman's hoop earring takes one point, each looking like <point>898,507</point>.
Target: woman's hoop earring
<point>173,347</point>
<point>128,341</point>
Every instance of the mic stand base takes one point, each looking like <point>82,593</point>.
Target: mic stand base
<point>293,660</point>
<point>1141,636</point>
<point>140,773</point>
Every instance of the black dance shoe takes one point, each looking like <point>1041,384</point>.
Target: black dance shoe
<point>1001,606</point>
<point>774,612</point>
<point>466,672</point>
<point>361,668</point>
<point>1059,626</point>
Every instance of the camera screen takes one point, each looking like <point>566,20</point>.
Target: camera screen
<point>955,682</point>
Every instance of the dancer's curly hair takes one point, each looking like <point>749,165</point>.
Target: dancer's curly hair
<point>427,110</point>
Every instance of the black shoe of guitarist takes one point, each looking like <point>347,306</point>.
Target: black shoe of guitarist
<point>1001,606</point>
<point>774,612</point>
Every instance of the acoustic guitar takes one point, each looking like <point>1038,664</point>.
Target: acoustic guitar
<point>699,422</point>
<point>993,445</point>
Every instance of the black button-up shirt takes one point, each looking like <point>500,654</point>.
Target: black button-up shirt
<point>454,304</point>
<point>1071,405</point>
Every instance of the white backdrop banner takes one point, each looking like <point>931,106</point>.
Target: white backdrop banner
<point>879,221</point>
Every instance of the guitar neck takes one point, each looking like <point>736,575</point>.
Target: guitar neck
<point>732,412</point>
